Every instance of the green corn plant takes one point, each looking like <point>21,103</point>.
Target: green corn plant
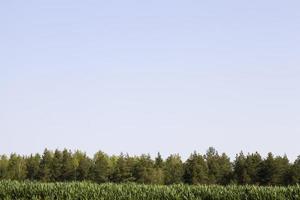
<point>13,190</point>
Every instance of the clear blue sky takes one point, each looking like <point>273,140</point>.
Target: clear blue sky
<point>149,76</point>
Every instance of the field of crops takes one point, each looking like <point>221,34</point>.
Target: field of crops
<point>11,190</point>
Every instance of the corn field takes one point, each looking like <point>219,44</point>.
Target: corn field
<point>12,190</point>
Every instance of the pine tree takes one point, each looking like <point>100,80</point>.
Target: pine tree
<point>45,166</point>
<point>84,166</point>
<point>219,167</point>
<point>281,171</point>
<point>123,169</point>
<point>16,168</point>
<point>33,166</point>
<point>267,170</point>
<point>293,173</point>
<point>159,162</point>
<point>144,169</point>
<point>241,175</point>
<point>225,173</point>
<point>173,170</point>
<point>69,165</point>
<point>101,168</point>
<point>3,167</point>
<point>252,164</point>
<point>195,170</point>
<point>56,166</point>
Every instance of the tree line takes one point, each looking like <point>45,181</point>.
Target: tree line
<point>210,168</point>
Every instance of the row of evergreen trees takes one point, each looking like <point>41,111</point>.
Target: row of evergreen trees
<point>211,168</point>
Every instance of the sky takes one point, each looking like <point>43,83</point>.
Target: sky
<point>150,76</point>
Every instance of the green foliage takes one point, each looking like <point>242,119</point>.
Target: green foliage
<point>83,171</point>
<point>33,166</point>
<point>45,166</point>
<point>293,174</point>
<point>159,162</point>
<point>144,169</point>
<point>3,167</point>
<point>211,169</point>
<point>16,168</point>
<point>56,166</point>
<point>101,168</point>
<point>123,169</point>
<point>247,169</point>
<point>273,171</point>
<point>196,170</point>
<point>12,190</point>
<point>219,167</point>
<point>253,164</point>
<point>68,167</point>
<point>241,175</point>
<point>173,170</point>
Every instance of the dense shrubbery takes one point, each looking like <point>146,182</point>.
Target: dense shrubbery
<point>211,168</point>
<point>12,190</point>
